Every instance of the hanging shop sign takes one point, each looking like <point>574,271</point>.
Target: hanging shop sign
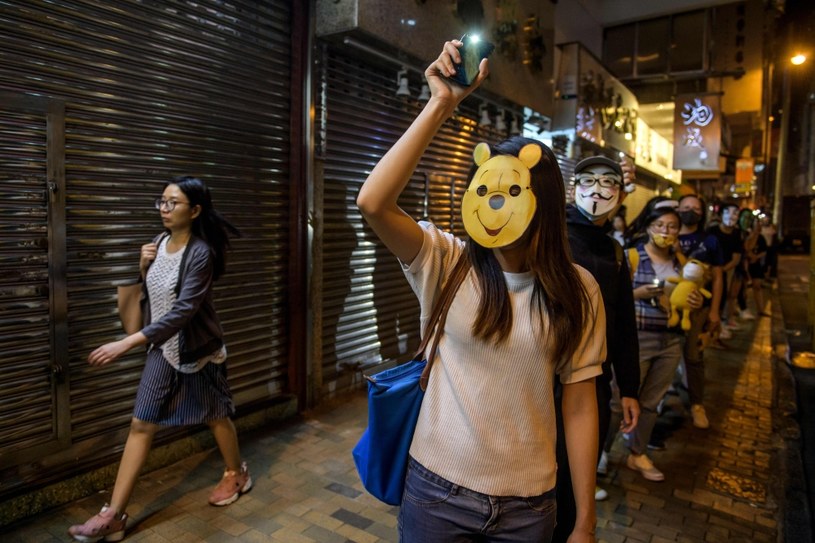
<point>744,175</point>
<point>697,132</point>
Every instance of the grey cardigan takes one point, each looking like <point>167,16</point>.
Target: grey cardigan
<point>193,313</point>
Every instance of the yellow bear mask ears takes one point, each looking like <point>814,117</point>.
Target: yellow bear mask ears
<point>499,204</point>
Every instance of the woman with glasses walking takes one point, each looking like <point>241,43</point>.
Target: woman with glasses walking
<point>184,379</point>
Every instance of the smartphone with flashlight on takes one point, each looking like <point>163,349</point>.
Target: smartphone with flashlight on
<point>474,49</point>
<point>660,284</point>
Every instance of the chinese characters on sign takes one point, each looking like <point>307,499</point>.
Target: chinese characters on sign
<point>697,132</point>
<point>587,127</point>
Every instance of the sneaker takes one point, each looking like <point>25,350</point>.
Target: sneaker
<point>699,416</point>
<point>643,464</point>
<point>232,485</point>
<point>103,524</point>
<point>746,315</point>
<point>600,494</point>
<point>725,333</point>
<point>732,326</point>
<point>661,406</point>
<point>602,465</point>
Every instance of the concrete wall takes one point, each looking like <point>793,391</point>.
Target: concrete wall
<point>420,29</point>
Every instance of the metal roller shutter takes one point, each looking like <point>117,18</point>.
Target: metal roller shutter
<point>369,313</point>
<point>156,89</point>
<point>32,247</point>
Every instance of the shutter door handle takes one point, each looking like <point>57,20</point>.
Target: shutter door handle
<point>52,190</point>
<point>58,373</point>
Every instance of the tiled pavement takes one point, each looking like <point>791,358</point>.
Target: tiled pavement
<point>718,484</point>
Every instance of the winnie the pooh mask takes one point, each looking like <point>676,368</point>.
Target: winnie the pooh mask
<point>499,204</point>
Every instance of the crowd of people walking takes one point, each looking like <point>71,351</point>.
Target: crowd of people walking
<point>569,328</point>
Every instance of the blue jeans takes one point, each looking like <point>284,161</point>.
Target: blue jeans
<point>434,510</point>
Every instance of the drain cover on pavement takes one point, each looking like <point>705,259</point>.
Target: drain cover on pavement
<point>737,486</point>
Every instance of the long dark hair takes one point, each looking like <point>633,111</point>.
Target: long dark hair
<point>558,291</point>
<point>209,225</point>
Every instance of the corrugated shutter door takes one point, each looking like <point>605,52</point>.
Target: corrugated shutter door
<point>155,90</point>
<point>370,314</point>
<point>28,416</point>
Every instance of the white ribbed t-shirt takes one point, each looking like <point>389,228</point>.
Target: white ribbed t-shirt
<point>487,420</point>
<point>162,277</point>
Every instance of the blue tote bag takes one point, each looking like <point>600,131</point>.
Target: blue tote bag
<point>394,399</point>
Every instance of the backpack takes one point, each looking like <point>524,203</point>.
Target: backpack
<point>634,259</point>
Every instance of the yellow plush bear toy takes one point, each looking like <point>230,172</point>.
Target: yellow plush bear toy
<point>693,276</point>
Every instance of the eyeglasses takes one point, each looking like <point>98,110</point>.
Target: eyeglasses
<point>169,205</point>
<point>606,180</point>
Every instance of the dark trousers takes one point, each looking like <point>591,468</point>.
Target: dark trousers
<point>566,508</point>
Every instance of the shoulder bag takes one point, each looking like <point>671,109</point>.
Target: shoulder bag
<point>128,301</point>
<point>394,399</point>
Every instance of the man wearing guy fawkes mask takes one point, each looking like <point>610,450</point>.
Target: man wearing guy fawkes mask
<point>600,186</point>
<point>729,237</point>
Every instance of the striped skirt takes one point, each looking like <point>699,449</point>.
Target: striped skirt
<point>170,398</point>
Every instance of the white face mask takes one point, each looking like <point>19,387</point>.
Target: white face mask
<point>596,201</point>
<point>730,217</point>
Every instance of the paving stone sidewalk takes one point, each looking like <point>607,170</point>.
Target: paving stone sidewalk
<point>718,485</point>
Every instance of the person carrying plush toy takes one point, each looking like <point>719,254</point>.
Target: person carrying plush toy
<point>600,185</point>
<point>660,347</point>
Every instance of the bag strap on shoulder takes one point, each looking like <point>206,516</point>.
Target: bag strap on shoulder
<point>633,260</point>
<point>435,325</point>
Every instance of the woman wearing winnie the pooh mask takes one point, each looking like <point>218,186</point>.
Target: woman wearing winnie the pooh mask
<point>482,464</point>
<point>653,263</point>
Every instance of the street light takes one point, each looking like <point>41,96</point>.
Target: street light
<point>796,60</point>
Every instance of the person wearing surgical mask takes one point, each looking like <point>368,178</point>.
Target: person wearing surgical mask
<point>695,243</point>
<point>730,240</point>
<point>600,186</point>
<point>660,347</point>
